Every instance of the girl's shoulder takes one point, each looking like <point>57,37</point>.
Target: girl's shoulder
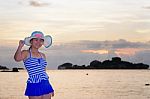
<point>25,51</point>
<point>43,55</point>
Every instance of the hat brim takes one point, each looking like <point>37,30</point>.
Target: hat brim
<point>47,41</point>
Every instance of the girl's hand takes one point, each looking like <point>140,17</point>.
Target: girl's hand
<point>21,43</point>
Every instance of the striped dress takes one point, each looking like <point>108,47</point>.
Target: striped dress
<point>38,82</point>
<point>36,69</point>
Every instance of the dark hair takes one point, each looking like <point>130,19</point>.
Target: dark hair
<point>29,47</point>
<point>31,40</point>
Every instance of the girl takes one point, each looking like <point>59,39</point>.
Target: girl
<point>38,85</point>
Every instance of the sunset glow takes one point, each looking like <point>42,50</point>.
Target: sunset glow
<point>95,51</point>
<point>78,28</point>
<point>119,52</point>
<point>127,51</point>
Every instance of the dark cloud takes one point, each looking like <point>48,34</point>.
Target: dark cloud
<point>127,44</point>
<point>70,52</point>
<point>96,45</point>
<point>37,3</point>
<point>34,3</point>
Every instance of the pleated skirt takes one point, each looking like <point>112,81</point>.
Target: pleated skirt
<point>38,89</point>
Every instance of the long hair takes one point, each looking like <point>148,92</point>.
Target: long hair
<point>30,45</point>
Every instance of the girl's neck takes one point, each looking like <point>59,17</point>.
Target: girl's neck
<point>34,50</point>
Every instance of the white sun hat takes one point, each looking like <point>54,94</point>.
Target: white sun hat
<point>38,34</point>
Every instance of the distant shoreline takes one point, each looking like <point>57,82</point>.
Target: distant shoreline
<point>115,63</point>
<point>15,69</point>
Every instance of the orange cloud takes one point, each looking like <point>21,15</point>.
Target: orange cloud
<point>119,52</point>
<point>128,51</point>
<point>95,51</point>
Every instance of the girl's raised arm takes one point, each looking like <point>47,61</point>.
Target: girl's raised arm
<point>20,55</point>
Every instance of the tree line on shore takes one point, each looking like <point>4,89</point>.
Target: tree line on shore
<point>115,63</point>
<point>3,67</point>
<point>6,69</point>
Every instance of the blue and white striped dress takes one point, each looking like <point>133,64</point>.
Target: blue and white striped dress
<point>37,75</point>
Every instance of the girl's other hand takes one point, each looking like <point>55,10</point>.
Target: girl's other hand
<point>21,43</point>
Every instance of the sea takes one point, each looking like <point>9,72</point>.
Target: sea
<point>83,84</point>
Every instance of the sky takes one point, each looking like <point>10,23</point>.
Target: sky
<point>82,30</point>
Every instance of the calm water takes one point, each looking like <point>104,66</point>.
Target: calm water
<point>75,84</point>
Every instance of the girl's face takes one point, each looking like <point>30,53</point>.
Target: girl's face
<point>37,42</point>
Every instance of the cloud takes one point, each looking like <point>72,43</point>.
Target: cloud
<point>34,3</point>
<point>143,31</point>
<point>83,52</point>
<point>143,56</point>
<point>116,48</point>
<point>37,3</point>
<point>146,7</point>
<point>99,45</point>
<point>128,51</point>
<point>95,51</point>
<point>118,52</point>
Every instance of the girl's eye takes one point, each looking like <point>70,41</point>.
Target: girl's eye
<point>41,40</point>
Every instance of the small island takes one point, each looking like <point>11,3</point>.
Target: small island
<point>115,63</point>
<point>5,69</point>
